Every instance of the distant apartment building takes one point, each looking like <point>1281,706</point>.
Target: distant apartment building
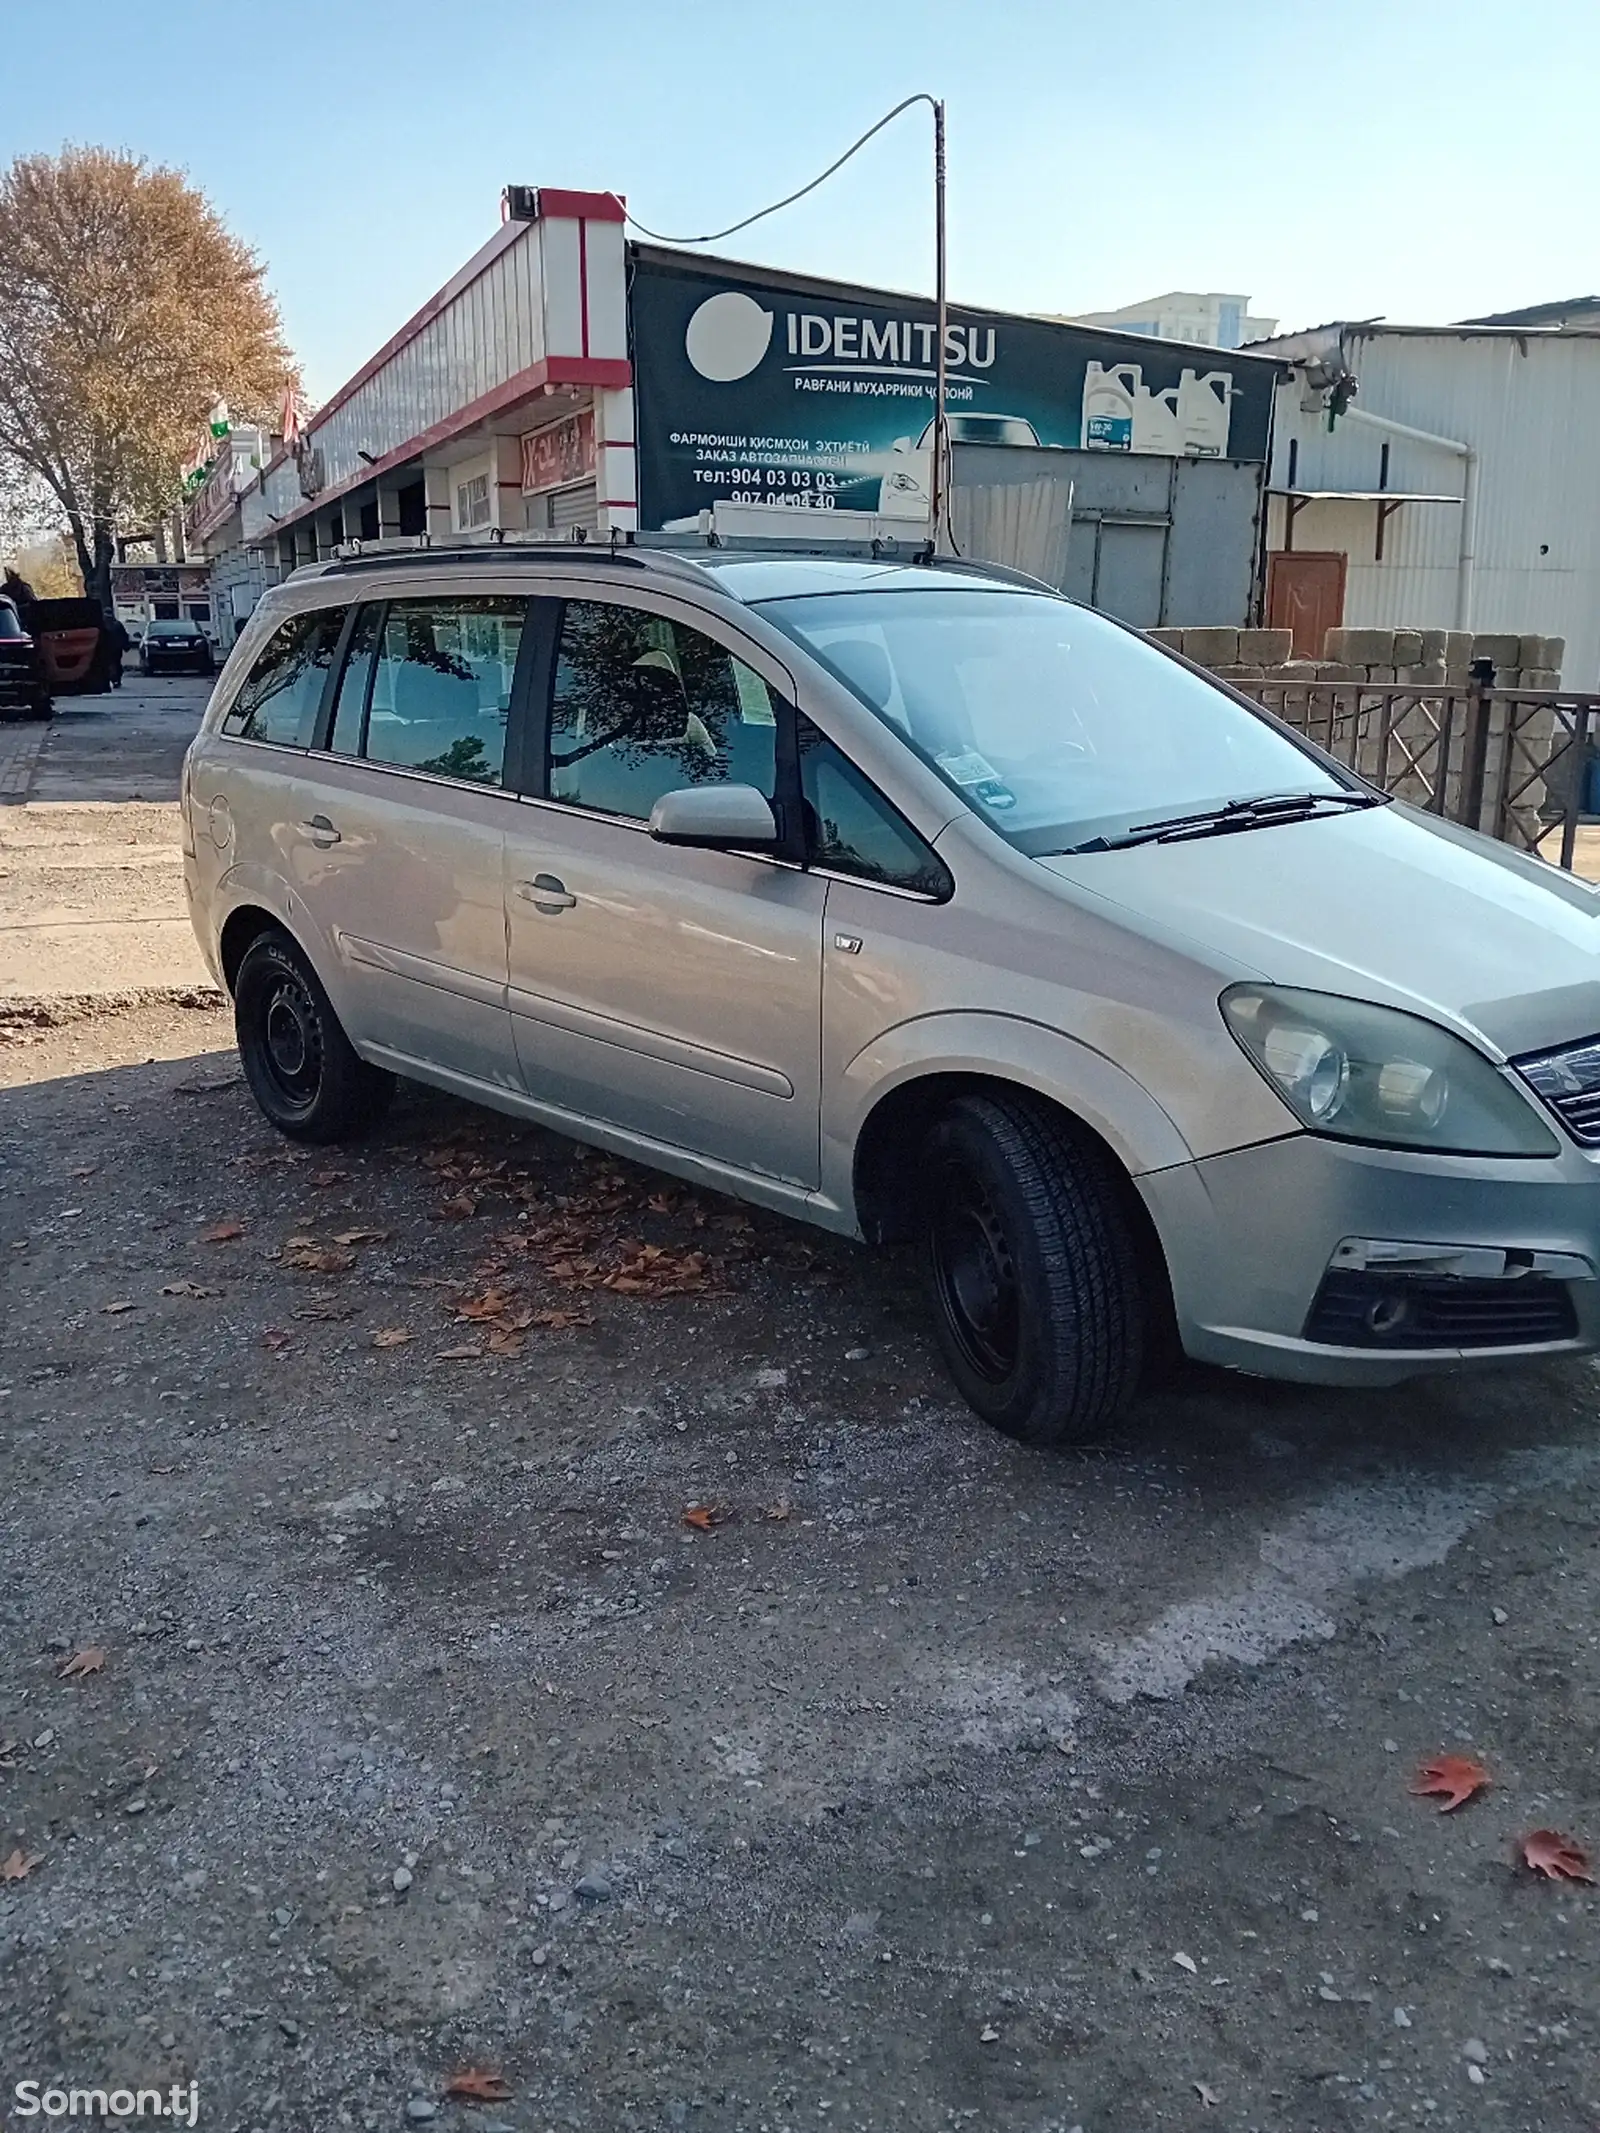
<point>1209,321</point>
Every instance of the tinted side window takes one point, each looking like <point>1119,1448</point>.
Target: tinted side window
<point>643,706</point>
<point>441,688</point>
<point>852,829</point>
<point>282,693</point>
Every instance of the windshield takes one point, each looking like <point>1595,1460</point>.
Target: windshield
<point>10,626</point>
<point>1053,723</point>
<point>171,629</point>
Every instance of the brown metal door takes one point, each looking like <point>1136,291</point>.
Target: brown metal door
<point>1305,595</point>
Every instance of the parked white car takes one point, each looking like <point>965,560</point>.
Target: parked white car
<point>916,902</point>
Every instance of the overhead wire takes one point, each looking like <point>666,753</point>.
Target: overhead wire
<point>716,236</point>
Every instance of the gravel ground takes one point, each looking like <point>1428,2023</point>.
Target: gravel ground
<point>923,1782</point>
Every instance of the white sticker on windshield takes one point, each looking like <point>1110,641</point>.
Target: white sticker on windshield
<point>968,769</point>
<point>976,775</point>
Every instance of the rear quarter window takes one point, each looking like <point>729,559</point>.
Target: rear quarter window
<point>279,698</point>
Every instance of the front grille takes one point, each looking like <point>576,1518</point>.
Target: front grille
<point>1569,1082</point>
<point>1383,1310</point>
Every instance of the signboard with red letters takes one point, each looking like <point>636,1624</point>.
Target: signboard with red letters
<point>563,453</point>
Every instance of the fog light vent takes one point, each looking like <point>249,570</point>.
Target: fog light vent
<point>1378,1309</point>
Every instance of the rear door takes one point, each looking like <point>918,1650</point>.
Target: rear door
<point>397,846</point>
<point>674,994</point>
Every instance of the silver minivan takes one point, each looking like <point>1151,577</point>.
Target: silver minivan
<point>920,903</point>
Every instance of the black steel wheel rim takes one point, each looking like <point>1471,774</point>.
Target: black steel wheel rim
<point>975,1273</point>
<point>290,1048</point>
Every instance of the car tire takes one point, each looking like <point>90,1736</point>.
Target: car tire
<point>1033,1269</point>
<point>303,1071</point>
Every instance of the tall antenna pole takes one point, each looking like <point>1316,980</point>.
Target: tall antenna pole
<point>940,432</point>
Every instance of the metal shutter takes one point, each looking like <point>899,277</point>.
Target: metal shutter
<point>574,507</point>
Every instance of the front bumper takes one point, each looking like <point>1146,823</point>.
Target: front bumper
<point>1250,1236</point>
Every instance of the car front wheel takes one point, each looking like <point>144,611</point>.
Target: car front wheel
<point>1033,1269</point>
<point>303,1071</point>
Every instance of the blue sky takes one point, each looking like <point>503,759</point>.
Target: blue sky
<point>1422,159</point>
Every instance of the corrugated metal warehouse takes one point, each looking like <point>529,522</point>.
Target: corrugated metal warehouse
<point>1458,487</point>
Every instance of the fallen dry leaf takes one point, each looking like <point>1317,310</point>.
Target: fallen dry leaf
<point>113,1310</point>
<point>207,1088</point>
<point>84,1170</point>
<point>391,1336</point>
<point>274,1337</point>
<point>776,1513</point>
<point>322,1179</point>
<point>703,1516</point>
<point>505,1341</point>
<point>222,1232</point>
<point>558,1321</point>
<point>306,1256</point>
<point>475,2085</point>
<point>459,1355</point>
<point>457,1208</point>
<point>491,1304</point>
<point>1455,1779</point>
<point>89,1661</point>
<point>19,1866</point>
<point>189,1288</point>
<point>1555,1856</point>
<point>1208,2096</point>
<point>361,1236</point>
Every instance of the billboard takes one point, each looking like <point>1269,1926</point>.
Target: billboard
<point>763,389</point>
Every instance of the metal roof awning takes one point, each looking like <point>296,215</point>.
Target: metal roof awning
<point>1388,502</point>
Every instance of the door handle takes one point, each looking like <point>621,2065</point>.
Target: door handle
<point>320,830</point>
<point>546,893</point>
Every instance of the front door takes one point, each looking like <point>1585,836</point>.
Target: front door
<point>400,830</point>
<point>674,994</point>
<point>1305,595</point>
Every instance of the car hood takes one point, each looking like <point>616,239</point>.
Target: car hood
<point>1385,904</point>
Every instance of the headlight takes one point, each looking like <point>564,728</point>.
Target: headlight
<point>1366,1073</point>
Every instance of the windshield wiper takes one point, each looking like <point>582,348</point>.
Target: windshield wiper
<point>1235,815</point>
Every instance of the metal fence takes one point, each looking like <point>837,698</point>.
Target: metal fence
<point>1510,762</point>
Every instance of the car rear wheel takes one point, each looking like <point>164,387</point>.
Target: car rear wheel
<point>1033,1271</point>
<point>303,1071</point>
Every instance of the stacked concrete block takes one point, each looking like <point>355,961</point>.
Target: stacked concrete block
<point>1212,647</point>
<point>1424,658</point>
<point>1266,648</point>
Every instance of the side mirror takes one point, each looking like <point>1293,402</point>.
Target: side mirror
<point>716,818</point>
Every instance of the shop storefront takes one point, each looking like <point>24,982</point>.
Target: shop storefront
<point>569,385</point>
<point>213,527</point>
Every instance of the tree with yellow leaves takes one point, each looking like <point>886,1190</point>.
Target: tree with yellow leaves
<point>127,311</point>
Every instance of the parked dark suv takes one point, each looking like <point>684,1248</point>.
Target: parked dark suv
<point>24,688</point>
<point>176,648</point>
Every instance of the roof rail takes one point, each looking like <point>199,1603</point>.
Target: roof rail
<point>674,555</point>
<point>352,556</point>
